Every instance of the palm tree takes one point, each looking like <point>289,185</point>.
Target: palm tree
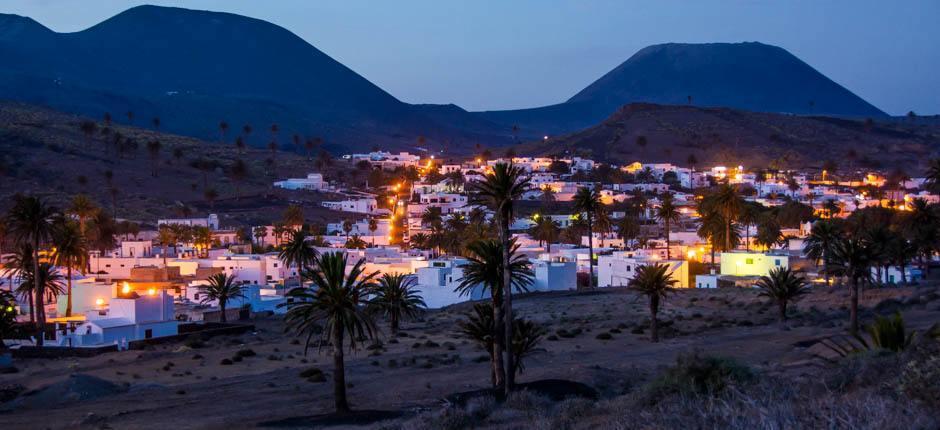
<point>628,228</point>
<point>297,252</point>
<point>202,238</point>
<point>334,308</point>
<point>294,216</point>
<point>373,226</point>
<point>7,316</point>
<point>588,202</point>
<point>238,172</point>
<point>71,252</point>
<point>485,270</point>
<point>728,203</point>
<point>820,243</point>
<point>153,148</point>
<point>783,286</point>
<point>852,259</point>
<point>259,233</point>
<point>667,213</point>
<point>83,208</point>
<point>31,221</point>
<point>497,191</point>
<point>347,228</point>
<point>396,297</point>
<point>545,230</point>
<point>19,264</point>
<point>166,236</point>
<point>654,282</point>
<point>222,288</point>
<point>749,215</point>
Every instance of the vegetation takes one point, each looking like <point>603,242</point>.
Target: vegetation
<point>395,297</point>
<point>655,282</point>
<point>222,288</point>
<point>782,286</point>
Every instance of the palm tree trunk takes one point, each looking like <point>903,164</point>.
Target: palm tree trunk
<point>667,239</point>
<point>37,291</point>
<point>782,305</point>
<point>654,322</point>
<point>903,274</point>
<point>68,303</point>
<point>507,304</point>
<point>826,268</point>
<point>32,309</point>
<point>747,237</point>
<point>339,372</point>
<point>728,235</point>
<point>394,323</point>
<point>853,308</point>
<point>590,252</point>
<point>497,353</point>
<point>222,318</point>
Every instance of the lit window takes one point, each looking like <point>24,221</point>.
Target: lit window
<point>749,261</point>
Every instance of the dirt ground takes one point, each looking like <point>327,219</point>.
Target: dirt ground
<point>175,386</point>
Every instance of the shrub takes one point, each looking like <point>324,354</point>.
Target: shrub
<point>226,362</point>
<point>247,352</point>
<point>696,374</point>
<point>604,336</point>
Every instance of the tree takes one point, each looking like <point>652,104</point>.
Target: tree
<point>7,316</point>
<point>83,208</point>
<point>373,226</point>
<point>587,201</point>
<point>334,308</point>
<point>852,258</point>
<point>768,232</point>
<point>667,213</point>
<point>628,228</point>
<point>294,216</point>
<point>19,263</point>
<point>101,234</point>
<point>238,172</point>
<point>479,327</point>
<point>749,215</point>
<point>821,242</point>
<point>545,230</point>
<point>782,286</point>
<point>727,203</point>
<point>396,297</point>
<point>297,252</point>
<point>31,221</point>
<point>347,228</point>
<point>655,283</point>
<point>202,238</point>
<point>71,252</point>
<point>355,242</point>
<point>153,148</point>
<point>221,288</point>
<point>485,271</point>
<point>497,191</point>
<point>259,233</point>
<point>932,182</point>
<point>166,236</point>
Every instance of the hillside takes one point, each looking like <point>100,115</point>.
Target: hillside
<point>722,135</point>
<point>46,153</point>
<point>748,76</point>
<point>193,69</point>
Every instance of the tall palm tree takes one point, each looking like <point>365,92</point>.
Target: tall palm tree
<point>783,286</point>
<point>628,228</point>
<point>166,236</point>
<point>546,231</point>
<point>373,226</point>
<point>297,252</point>
<point>334,308</point>
<point>202,238</point>
<point>933,175</point>
<point>656,283</point>
<point>83,208</point>
<point>31,221</point>
<point>820,243</point>
<point>396,297</point>
<point>71,252</point>
<point>749,215</point>
<point>497,191</point>
<point>19,264</point>
<point>294,216</point>
<point>667,213</point>
<point>852,259</point>
<point>485,270</point>
<point>221,288</point>
<point>588,202</point>
<point>727,202</point>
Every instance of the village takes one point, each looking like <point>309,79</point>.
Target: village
<point>419,225</point>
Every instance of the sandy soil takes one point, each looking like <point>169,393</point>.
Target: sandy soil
<point>174,386</point>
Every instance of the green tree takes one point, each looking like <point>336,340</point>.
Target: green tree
<point>485,271</point>
<point>373,226</point>
<point>587,201</point>
<point>298,252</point>
<point>821,242</point>
<point>727,202</point>
<point>667,213</point>
<point>334,308</point>
<point>222,288</point>
<point>655,282</point>
<point>31,221</point>
<point>545,231</point>
<point>70,252</point>
<point>497,191</point>
<point>294,216</point>
<point>852,258</point>
<point>396,297</point>
<point>783,286</point>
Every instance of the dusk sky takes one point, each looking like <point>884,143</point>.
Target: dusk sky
<point>526,53</point>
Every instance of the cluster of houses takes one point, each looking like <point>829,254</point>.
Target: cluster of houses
<point>140,290</point>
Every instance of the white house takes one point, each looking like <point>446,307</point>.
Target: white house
<point>211,221</point>
<point>554,275</point>
<point>124,320</point>
<point>363,205</point>
<point>437,283</point>
<point>741,263</point>
<point>618,268</point>
<point>313,182</point>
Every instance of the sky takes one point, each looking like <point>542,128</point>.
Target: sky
<point>492,54</point>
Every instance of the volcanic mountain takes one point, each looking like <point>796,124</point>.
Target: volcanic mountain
<point>194,69</point>
<point>747,76</point>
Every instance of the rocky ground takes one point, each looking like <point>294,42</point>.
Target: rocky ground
<point>264,376</point>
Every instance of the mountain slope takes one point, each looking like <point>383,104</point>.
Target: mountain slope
<point>748,76</point>
<point>194,68</point>
<point>730,136</point>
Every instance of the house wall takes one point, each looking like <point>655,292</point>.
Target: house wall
<point>750,263</point>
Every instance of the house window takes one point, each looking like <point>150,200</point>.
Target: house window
<point>749,261</point>
<point>776,262</point>
<point>148,333</point>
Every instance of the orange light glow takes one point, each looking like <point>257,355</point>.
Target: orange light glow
<point>99,302</point>
<point>126,288</point>
<point>152,291</point>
